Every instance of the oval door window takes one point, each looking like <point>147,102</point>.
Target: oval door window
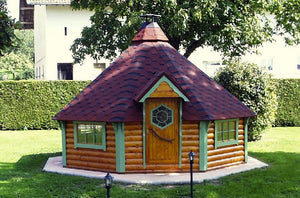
<point>162,116</point>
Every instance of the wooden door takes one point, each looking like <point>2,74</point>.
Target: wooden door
<point>162,131</point>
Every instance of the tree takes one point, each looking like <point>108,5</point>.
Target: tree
<point>255,89</point>
<point>232,27</point>
<point>18,60</point>
<point>7,26</point>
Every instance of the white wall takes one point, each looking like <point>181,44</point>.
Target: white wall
<point>284,59</point>
<point>55,47</point>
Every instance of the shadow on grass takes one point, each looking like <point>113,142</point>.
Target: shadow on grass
<point>26,179</point>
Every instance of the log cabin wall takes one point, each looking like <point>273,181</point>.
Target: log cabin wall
<point>134,147</point>
<point>91,159</point>
<point>190,142</point>
<point>227,155</point>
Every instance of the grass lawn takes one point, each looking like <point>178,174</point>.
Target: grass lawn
<point>24,153</point>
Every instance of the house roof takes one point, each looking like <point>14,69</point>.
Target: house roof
<point>49,2</point>
<point>114,95</point>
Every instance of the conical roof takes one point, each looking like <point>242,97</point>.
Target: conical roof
<point>114,95</point>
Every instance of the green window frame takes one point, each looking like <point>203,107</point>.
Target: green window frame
<point>90,135</point>
<point>226,132</point>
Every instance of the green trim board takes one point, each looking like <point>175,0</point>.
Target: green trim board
<point>156,85</point>
<point>203,129</point>
<point>120,146</point>
<point>246,122</point>
<point>91,146</point>
<point>144,135</point>
<point>180,133</point>
<point>64,148</point>
<point>229,141</point>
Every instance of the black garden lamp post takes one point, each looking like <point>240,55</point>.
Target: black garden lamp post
<point>108,181</point>
<point>191,158</point>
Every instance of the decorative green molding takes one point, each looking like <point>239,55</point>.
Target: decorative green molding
<point>180,133</point>
<point>246,121</point>
<point>204,125</point>
<point>144,135</point>
<point>91,146</point>
<point>64,148</point>
<point>164,79</point>
<point>120,146</point>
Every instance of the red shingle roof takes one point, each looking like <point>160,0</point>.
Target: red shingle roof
<point>113,96</point>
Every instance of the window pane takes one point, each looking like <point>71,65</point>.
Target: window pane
<point>220,139</point>
<point>232,135</point>
<point>89,134</point>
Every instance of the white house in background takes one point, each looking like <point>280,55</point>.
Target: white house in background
<point>276,58</point>
<point>56,26</point>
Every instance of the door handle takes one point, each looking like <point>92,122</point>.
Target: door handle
<point>157,135</point>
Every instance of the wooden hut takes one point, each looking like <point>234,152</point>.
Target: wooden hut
<point>148,110</point>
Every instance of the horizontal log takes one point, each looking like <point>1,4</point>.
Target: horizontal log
<point>241,121</point>
<point>70,135</point>
<point>134,133</point>
<point>91,165</point>
<point>110,138</point>
<point>133,138</point>
<point>133,144</point>
<point>241,137</point>
<point>70,141</point>
<point>210,136</point>
<point>86,152</point>
<point>210,141</point>
<point>133,155</point>
<point>133,125</point>
<point>188,127</point>
<point>241,142</point>
<point>134,150</point>
<point>225,150</point>
<point>189,148</point>
<point>190,138</point>
<point>210,147</point>
<point>190,132</point>
<point>224,165</point>
<point>225,161</point>
<point>186,160</point>
<point>96,159</point>
<point>225,156</point>
<point>241,132</point>
<point>134,161</point>
<point>190,143</point>
<point>211,130</point>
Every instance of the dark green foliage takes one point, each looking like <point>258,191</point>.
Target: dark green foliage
<point>255,89</point>
<point>288,97</point>
<point>7,26</point>
<point>230,27</point>
<point>32,104</point>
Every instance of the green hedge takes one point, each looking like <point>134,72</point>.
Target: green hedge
<point>32,104</point>
<point>288,97</point>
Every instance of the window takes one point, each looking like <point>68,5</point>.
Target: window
<point>65,71</point>
<point>89,135</point>
<point>162,116</point>
<point>226,132</point>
